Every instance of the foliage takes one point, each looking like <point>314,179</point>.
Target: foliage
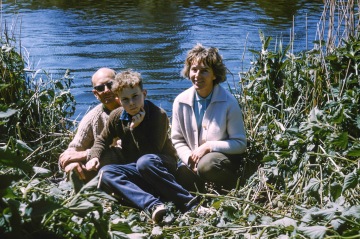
<point>307,127</point>
<point>302,118</point>
<point>33,106</point>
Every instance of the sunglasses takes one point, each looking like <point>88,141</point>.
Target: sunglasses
<point>101,88</point>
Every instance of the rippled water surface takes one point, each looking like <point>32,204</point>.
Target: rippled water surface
<point>151,36</point>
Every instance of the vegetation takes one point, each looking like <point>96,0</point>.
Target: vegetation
<point>303,123</point>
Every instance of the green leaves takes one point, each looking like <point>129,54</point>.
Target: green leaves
<point>10,155</point>
<point>316,165</point>
<point>302,118</point>
<point>354,150</point>
<point>313,232</point>
<point>42,206</point>
<point>351,180</point>
<point>338,140</point>
<point>335,190</point>
<point>313,188</point>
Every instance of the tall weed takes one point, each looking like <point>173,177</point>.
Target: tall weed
<point>33,105</point>
<point>301,112</point>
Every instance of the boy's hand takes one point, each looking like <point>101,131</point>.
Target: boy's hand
<point>79,168</point>
<point>137,119</point>
<point>93,164</point>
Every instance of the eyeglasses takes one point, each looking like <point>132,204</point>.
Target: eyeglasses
<point>101,88</point>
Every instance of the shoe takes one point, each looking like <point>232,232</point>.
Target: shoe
<point>159,213</point>
<point>205,211</point>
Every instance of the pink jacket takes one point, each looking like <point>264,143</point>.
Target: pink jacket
<point>222,126</point>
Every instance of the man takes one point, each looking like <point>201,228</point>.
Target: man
<point>73,159</point>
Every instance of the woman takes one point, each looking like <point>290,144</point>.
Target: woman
<point>207,125</point>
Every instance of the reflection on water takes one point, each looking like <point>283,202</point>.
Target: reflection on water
<point>151,36</point>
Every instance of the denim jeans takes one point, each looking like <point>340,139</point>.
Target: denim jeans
<point>147,183</point>
<point>110,156</point>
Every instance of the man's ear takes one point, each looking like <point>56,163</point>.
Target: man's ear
<point>96,94</point>
<point>145,93</point>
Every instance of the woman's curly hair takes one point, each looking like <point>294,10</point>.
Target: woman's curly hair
<point>210,57</point>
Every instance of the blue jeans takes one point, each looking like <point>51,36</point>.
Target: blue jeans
<point>147,183</point>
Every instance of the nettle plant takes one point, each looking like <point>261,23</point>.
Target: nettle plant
<point>34,105</point>
<point>302,112</point>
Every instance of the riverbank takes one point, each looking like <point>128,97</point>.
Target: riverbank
<point>301,113</point>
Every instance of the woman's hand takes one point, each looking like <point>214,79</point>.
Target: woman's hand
<point>197,154</point>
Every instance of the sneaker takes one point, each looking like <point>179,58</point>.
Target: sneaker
<point>159,212</point>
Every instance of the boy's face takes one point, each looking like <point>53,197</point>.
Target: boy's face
<point>132,99</point>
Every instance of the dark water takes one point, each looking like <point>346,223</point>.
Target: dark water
<point>151,36</point>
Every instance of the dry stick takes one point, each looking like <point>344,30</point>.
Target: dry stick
<point>337,157</point>
<point>306,32</point>
<point>266,187</point>
<point>331,25</point>
<point>246,202</point>
<point>32,153</point>
<point>241,229</point>
<point>243,55</point>
<point>300,180</point>
<point>1,11</point>
<point>257,124</point>
<point>293,35</point>
<point>345,78</point>
<point>358,23</point>
<point>293,113</point>
<point>321,180</point>
<point>235,232</point>
<point>338,169</point>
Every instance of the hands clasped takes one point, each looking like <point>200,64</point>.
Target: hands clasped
<point>137,119</point>
<point>197,154</point>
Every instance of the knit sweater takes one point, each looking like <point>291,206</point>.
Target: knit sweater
<point>89,128</point>
<point>149,137</point>
<point>222,125</point>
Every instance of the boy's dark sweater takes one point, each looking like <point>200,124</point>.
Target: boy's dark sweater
<point>149,137</point>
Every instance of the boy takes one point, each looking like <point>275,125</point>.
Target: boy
<point>146,179</point>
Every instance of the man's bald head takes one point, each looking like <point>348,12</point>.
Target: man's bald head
<point>102,89</point>
<point>103,75</point>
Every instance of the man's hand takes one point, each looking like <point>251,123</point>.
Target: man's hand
<point>71,156</point>
<point>93,164</point>
<point>79,168</point>
<point>137,119</point>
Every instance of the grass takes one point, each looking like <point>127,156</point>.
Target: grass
<point>301,112</point>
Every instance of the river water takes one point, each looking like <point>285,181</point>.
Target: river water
<point>150,36</point>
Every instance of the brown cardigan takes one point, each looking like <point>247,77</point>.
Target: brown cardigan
<point>150,137</point>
